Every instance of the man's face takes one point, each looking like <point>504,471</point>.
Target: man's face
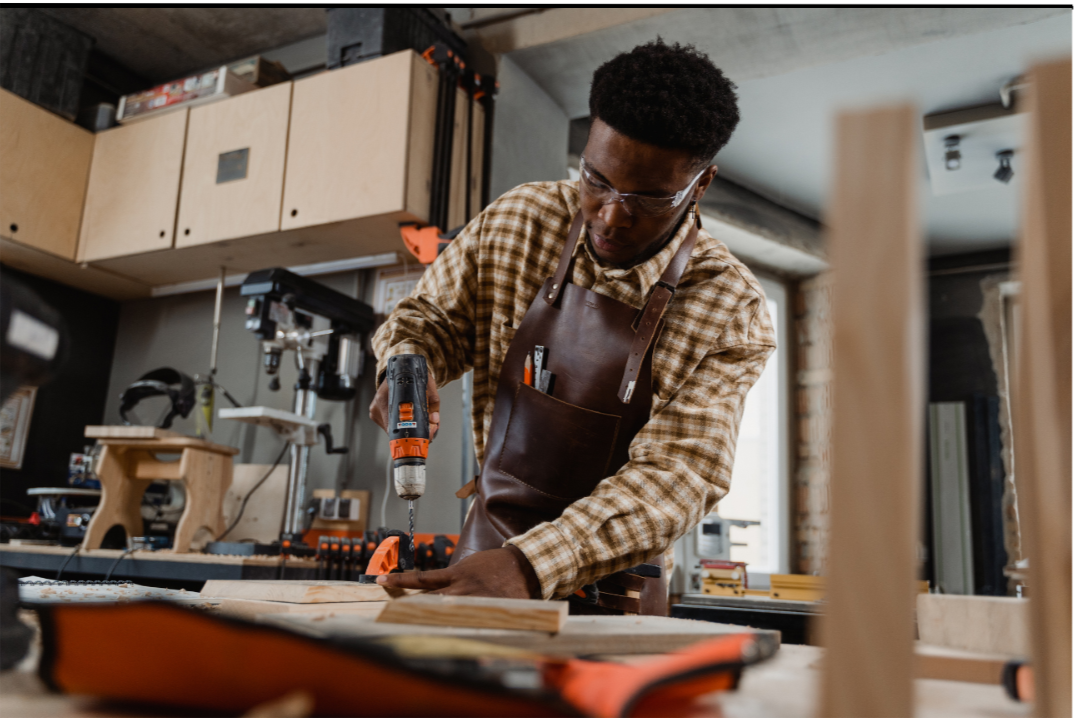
<point>619,237</point>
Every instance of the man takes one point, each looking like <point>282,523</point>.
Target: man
<point>652,330</point>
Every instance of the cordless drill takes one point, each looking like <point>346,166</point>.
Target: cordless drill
<point>409,429</point>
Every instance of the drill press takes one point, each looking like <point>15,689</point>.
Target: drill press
<point>289,312</point>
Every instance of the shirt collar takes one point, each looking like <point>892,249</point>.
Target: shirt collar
<point>648,272</point>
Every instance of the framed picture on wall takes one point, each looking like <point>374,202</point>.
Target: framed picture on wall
<point>15,426</point>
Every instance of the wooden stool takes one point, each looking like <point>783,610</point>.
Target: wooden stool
<point>128,465</point>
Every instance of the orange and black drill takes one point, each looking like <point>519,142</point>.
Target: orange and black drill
<point>409,429</point>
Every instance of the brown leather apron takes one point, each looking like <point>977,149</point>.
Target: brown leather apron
<point>545,451</point>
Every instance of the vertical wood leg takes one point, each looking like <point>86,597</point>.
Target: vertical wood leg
<point>121,498</point>
<point>1042,399</point>
<point>206,476</point>
<point>878,406</point>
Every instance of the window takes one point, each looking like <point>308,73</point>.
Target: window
<point>760,484</point>
<point>760,489</point>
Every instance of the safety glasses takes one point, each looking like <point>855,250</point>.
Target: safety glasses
<point>637,205</point>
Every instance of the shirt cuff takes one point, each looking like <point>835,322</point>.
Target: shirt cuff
<point>405,347</point>
<point>552,555</point>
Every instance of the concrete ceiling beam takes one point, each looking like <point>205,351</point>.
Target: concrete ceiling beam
<point>545,26</point>
<point>561,48</point>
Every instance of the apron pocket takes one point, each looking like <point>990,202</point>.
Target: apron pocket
<point>561,450</point>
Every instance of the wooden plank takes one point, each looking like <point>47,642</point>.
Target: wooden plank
<point>478,134</point>
<point>477,612</point>
<point>212,210</point>
<point>129,432</point>
<point>581,635</point>
<point>422,119</point>
<point>458,178</point>
<point>348,143</point>
<point>249,608</point>
<point>261,520</point>
<point>46,164</point>
<point>134,188</point>
<point>296,591</point>
<point>1043,394</point>
<point>877,408</point>
<point>989,624</point>
<point>174,444</point>
<point>951,664</point>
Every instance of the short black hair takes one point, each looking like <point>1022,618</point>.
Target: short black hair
<point>669,96</point>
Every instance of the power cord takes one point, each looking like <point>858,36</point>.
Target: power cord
<point>117,563</point>
<point>243,506</point>
<point>60,571</point>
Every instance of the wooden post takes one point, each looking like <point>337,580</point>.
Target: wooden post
<point>878,409</point>
<point>1042,401</point>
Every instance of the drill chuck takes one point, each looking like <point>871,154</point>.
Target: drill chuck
<point>409,479</point>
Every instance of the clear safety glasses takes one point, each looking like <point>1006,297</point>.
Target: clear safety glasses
<point>637,205</point>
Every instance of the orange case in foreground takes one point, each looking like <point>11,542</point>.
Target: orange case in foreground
<point>157,653</point>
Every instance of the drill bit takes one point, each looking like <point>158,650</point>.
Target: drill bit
<point>411,526</point>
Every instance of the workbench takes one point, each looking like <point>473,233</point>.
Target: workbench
<point>786,686</point>
<point>149,567</point>
<point>792,618</point>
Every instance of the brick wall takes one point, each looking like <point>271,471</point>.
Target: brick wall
<point>811,481</point>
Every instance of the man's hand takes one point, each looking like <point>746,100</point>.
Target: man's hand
<point>379,408</point>
<point>500,572</point>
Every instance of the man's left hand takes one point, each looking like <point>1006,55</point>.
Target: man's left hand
<point>500,572</point>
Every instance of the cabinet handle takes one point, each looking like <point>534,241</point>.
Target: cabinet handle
<point>187,231</point>
<point>14,227</point>
<point>295,212</point>
<point>162,233</point>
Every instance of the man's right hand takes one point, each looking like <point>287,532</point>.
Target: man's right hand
<point>379,408</point>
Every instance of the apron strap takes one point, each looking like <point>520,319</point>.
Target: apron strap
<point>565,262</point>
<point>651,318</point>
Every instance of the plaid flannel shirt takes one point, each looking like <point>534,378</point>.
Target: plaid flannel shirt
<point>716,340</point>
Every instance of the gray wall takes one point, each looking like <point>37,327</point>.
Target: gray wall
<point>176,331</point>
<point>530,132</point>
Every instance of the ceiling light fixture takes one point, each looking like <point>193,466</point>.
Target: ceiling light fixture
<point>1004,173</point>
<point>953,154</point>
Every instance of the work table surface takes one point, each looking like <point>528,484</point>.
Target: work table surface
<point>783,687</point>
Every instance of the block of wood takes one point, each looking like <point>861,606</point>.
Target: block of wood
<point>129,432</point>
<point>248,608</point>
<point>580,636</point>
<point>952,664</point>
<point>296,591</point>
<point>988,624</point>
<point>477,612</point>
<point>796,587</point>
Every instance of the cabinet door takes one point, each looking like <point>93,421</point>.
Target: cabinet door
<point>350,148</point>
<point>44,163</point>
<point>233,168</point>
<point>134,188</point>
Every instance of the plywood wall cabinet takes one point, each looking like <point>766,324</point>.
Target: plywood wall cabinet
<point>134,188</point>
<point>43,174</point>
<point>361,143</point>
<point>233,167</point>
